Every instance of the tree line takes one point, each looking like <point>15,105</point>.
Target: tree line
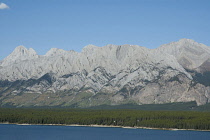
<point>132,118</point>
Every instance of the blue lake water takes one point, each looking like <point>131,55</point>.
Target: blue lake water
<point>39,132</point>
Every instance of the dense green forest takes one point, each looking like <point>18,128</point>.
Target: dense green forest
<point>132,118</point>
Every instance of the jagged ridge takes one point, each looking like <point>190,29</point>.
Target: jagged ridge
<point>113,74</point>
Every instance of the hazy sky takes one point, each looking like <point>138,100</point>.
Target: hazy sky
<point>73,24</point>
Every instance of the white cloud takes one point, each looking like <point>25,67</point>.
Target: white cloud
<point>3,6</point>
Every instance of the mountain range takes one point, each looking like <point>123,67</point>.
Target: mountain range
<point>109,75</point>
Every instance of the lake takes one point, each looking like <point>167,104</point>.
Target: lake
<point>44,132</point>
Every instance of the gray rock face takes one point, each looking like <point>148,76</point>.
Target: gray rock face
<point>18,55</point>
<point>111,74</point>
<point>188,53</point>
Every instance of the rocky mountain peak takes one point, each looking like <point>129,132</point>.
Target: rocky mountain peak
<point>55,51</point>
<point>189,53</point>
<point>185,40</point>
<point>89,48</point>
<point>21,50</point>
<point>20,53</point>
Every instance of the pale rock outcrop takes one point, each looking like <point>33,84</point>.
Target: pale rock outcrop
<point>188,53</point>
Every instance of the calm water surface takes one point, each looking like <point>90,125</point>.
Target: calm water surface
<point>38,132</point>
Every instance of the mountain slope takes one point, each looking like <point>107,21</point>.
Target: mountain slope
<point>112,75</point>
<point>189,54</point>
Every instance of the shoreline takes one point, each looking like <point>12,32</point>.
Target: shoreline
<point>111,126</point>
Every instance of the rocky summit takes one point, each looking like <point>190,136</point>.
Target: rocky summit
<point>109,75</point>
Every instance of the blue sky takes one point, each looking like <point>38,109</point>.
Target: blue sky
<point>73,24</point>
